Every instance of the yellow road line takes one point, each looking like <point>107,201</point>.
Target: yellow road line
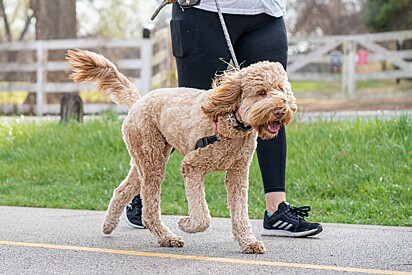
<point>202,258</point>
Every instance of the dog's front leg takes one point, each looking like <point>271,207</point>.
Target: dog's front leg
<point>237,195</point>
<point>199,215</point>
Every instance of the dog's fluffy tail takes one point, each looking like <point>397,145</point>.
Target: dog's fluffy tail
<point>92,67</point>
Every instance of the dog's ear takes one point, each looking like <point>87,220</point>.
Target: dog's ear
<point>291,97</point>
<point>225,97</point>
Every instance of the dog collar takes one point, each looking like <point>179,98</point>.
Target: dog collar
<point>238,125</point>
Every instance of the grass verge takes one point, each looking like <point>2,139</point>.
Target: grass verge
<point>349,172</point>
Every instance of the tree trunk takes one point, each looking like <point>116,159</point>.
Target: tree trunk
<point>71,108</point>
<point>54,20</point>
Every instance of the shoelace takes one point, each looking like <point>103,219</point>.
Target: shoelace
<point>302,211</point>
<point>137,202</point>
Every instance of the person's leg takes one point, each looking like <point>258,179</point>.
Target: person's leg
<point>273,199</point>
<point>272,162</point>
<point>268,41</point>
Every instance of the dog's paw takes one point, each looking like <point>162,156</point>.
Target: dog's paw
<point>189,226</point>
<point>108,227</point>
<point>255,247</point>
<point>174,241</point>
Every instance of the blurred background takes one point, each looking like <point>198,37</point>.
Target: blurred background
<point>343,54</point>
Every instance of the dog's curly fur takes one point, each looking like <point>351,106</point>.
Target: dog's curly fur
<point>260,96</point>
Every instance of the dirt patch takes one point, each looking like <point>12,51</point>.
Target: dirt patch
<point>318,105</point>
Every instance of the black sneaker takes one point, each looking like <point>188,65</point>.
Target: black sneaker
<point>133,213</point>
<point>288,221</point>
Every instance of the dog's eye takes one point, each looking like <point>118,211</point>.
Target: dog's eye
<point>261,93</point>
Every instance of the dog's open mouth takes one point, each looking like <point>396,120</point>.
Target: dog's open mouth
<point>273,127</point>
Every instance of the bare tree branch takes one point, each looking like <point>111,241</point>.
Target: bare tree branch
<point>330,17</point>
<point>26,25</point>
<point>6,21</point>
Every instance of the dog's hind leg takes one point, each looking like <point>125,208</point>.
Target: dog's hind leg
<point>152,178</point>
<point>237,196</point>
<point>129,188</point>
<point>150,153</point>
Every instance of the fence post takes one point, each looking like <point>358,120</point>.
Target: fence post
<point>40,77</point>
<point>344,80</point>
<point>146,54</point>
<point>352,69</point>
<point>349,68</point>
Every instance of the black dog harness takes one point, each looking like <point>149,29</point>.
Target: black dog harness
<point>203,142</point>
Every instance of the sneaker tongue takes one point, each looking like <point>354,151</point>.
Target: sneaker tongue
<point>283,206</point>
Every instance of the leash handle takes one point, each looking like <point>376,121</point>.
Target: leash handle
<point>182,3</point>
<point>156,12</point>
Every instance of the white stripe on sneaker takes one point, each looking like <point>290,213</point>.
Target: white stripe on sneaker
<point>283,225</point>
<point>276,224</point>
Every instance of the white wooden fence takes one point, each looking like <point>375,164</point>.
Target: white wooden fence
<point>378,46</point>
<point>153,63</point>
<point>155,59</point>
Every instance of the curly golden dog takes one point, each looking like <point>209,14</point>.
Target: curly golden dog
<point>214,130</point>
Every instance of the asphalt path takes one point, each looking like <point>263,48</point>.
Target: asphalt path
<point>57,241</point>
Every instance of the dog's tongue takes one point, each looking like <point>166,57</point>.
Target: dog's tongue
<point>273,127</point>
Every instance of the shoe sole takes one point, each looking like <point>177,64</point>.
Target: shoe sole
<point>285,233</point>
<point>132,224</point>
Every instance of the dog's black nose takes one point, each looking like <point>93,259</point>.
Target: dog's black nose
<point>279,112</point>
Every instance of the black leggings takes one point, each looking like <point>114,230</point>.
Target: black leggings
<point>200,49</point>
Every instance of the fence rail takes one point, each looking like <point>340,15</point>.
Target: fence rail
<point>310,59</point>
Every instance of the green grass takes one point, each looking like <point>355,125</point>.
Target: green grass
<point>376,86</point>
<point>349,172</point>
<point>363,86</point>
<point>315,86</point>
